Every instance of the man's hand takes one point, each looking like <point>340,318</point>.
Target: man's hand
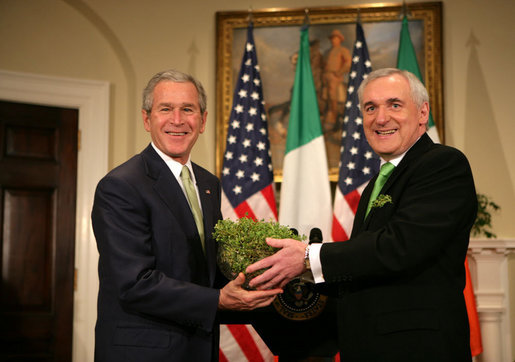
<point>234,297</point>
<point>284,265</point>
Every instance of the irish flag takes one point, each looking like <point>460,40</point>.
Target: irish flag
<point>305,200</point>
<point>407,60</point>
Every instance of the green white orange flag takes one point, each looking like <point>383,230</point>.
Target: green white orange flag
<point>305,200</point>
<point>407,60</point>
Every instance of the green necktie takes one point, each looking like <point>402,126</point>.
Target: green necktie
<point>384,173</point>
<point>191,193</point>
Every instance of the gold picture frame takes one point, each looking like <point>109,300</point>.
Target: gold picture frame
<point>277,35</point>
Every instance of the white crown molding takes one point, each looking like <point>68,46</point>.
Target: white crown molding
<point>502,246</point>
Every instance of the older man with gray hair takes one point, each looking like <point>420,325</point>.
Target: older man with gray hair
<point>399,279</point>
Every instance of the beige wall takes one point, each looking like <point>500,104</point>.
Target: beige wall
<point>124,42</point>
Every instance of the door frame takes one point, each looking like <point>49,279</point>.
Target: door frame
<point>91,98</point>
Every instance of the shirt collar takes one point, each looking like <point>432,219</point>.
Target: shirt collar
<point>174,166</point>
<point>395,161</point>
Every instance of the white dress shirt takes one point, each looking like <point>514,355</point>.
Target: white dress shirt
<point>176,168</point>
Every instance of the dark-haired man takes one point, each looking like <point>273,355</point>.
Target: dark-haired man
<point>153,217</point>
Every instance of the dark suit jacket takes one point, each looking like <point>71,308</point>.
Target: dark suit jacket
<point>400,276</point>
<point>156,300</point>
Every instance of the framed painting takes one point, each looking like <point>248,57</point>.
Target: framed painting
<point>277,36</point>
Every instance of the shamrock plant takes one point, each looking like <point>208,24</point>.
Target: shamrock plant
<point>243,242</point>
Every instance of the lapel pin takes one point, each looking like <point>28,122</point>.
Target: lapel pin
<point>208,192</point>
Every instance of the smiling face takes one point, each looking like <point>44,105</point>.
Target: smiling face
<point>175,120</point>
<point>391,120</point>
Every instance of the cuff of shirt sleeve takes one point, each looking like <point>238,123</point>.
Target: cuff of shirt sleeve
<point>314,260</point>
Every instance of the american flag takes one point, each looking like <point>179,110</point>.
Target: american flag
<point>247,176</point>
<point>247,183</point>
<point>358,163</point>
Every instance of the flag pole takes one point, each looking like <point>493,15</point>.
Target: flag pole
<point>250,16</point>
<point>404,12</point>
<point>306,18</point>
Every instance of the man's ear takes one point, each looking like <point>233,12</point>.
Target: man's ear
<point>424,114</point>
<point>203,122</point>
<point>146,120</point>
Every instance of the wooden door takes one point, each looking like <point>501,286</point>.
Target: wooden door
<point>38,177</point>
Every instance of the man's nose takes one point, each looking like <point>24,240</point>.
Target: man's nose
<point>382,115</point>
<point>176,116</point>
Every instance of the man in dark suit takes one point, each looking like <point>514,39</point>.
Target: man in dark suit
<point>153,217</point>
<point>400,277</point>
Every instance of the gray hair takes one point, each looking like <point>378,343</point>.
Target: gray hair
<point>418,91</point>
<point>177,77</point>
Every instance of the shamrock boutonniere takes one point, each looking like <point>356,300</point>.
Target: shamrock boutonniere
<point>382,200</point>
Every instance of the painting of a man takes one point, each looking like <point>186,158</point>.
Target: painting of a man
<point>337,64</point>
<point>330,63</point>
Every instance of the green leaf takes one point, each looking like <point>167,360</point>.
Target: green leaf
<point>483,220</point>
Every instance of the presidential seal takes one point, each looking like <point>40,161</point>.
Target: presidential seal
<point>300,301</point>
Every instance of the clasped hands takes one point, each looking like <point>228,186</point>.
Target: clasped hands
<point>283,266</point>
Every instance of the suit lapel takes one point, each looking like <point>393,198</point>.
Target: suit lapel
<point>414,152</point>
<point>359,218</point>
<point>419,148</point>
<point>167,187</point>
